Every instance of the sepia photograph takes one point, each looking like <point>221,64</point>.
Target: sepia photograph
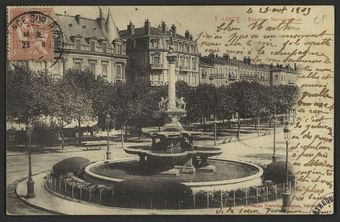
<point>170,110</point>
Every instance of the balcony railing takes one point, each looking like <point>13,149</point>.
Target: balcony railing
<point>157,83</point>
<point>156,66</point>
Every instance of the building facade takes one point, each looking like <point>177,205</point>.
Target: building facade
<point>148,47</point>
<point>224,70</point>
<point>283,75</point>
<point>253,72</point>
<point>92,44</point>
<point>218,70</point>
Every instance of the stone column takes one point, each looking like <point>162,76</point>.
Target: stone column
<point>172,81</point>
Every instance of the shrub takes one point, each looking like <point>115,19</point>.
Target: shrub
<point>74,165</point>
<point>44,134</point>
<point>154,193</point>
<point>276,172</point>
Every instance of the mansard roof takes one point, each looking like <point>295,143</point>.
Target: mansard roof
<point>86,28</point>
<point>140,32</point>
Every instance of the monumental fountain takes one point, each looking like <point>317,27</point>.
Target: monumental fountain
<point>172,154</point>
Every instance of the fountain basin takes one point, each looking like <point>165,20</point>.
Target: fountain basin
<point>230,175</point>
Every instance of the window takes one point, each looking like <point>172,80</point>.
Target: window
<point>193,49</point>
<point>93,67</point>
<point>104,47</point>
<point>119,49</point>
<point>56,69</point>
<point>78,44</point>
<point>77,65</point>
<point>188,62</point>
<point>119,73</point>
<point>93,46</point>
<point>104,69</point>
<point>154,43</point>
<point>155,58</point>
<point>187,48</point>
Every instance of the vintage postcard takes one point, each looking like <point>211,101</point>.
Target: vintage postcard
<point>170,110</point>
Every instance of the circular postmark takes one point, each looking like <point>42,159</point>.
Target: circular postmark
<point>34,35</point>
<point>324,205</point>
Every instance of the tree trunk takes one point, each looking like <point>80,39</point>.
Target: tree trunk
<point>238,126</point>
<point>62,135</point>
<point>258,126</point>
<point>121,135</point>
<point>255,123</point>
<point>126,132</point>
<point>79,132</point>
<point>215,133</point>
<point>139,132</point>
<point>204,119</point>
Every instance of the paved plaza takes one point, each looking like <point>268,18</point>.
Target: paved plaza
<point>253,149</point>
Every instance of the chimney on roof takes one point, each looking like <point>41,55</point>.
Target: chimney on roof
<point>277,65</point>
<point>131,28</point>
<point>173,27</point>
<point>101,19</point>
<point>234,57</point>
<point>211,57</point>
<point>245,60</point>
<point>271,65</point>
<point>187,34</point>
<point>249,60</point>
<point>226,57</point>
<point>77,17</point>
<point>295,66</point>
<point>147,27</point>
<point>163,27</point>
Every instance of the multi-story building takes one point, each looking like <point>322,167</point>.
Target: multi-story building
<point>92,44</point>
<point>218,70</point>
<point>224,70</point>
<point>147,48</point>
<point>283,75</point>
<point>253,72</point>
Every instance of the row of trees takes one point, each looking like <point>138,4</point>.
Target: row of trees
<point>80,96</point>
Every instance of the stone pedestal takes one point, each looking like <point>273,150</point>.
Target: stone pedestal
<point>30,188</point>
<point>285,201</point>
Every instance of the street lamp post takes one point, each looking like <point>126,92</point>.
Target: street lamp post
<point>30,182</point>
<point>274,142</point>
<point>107,121</point>
<point>286,194</point>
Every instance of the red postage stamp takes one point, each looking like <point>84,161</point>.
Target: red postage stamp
<point>31,34</point>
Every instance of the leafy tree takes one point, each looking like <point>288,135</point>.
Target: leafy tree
<point>206,101</point>
<point>226,103</point>
<point>83,83</point>
<point>28,95</point>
